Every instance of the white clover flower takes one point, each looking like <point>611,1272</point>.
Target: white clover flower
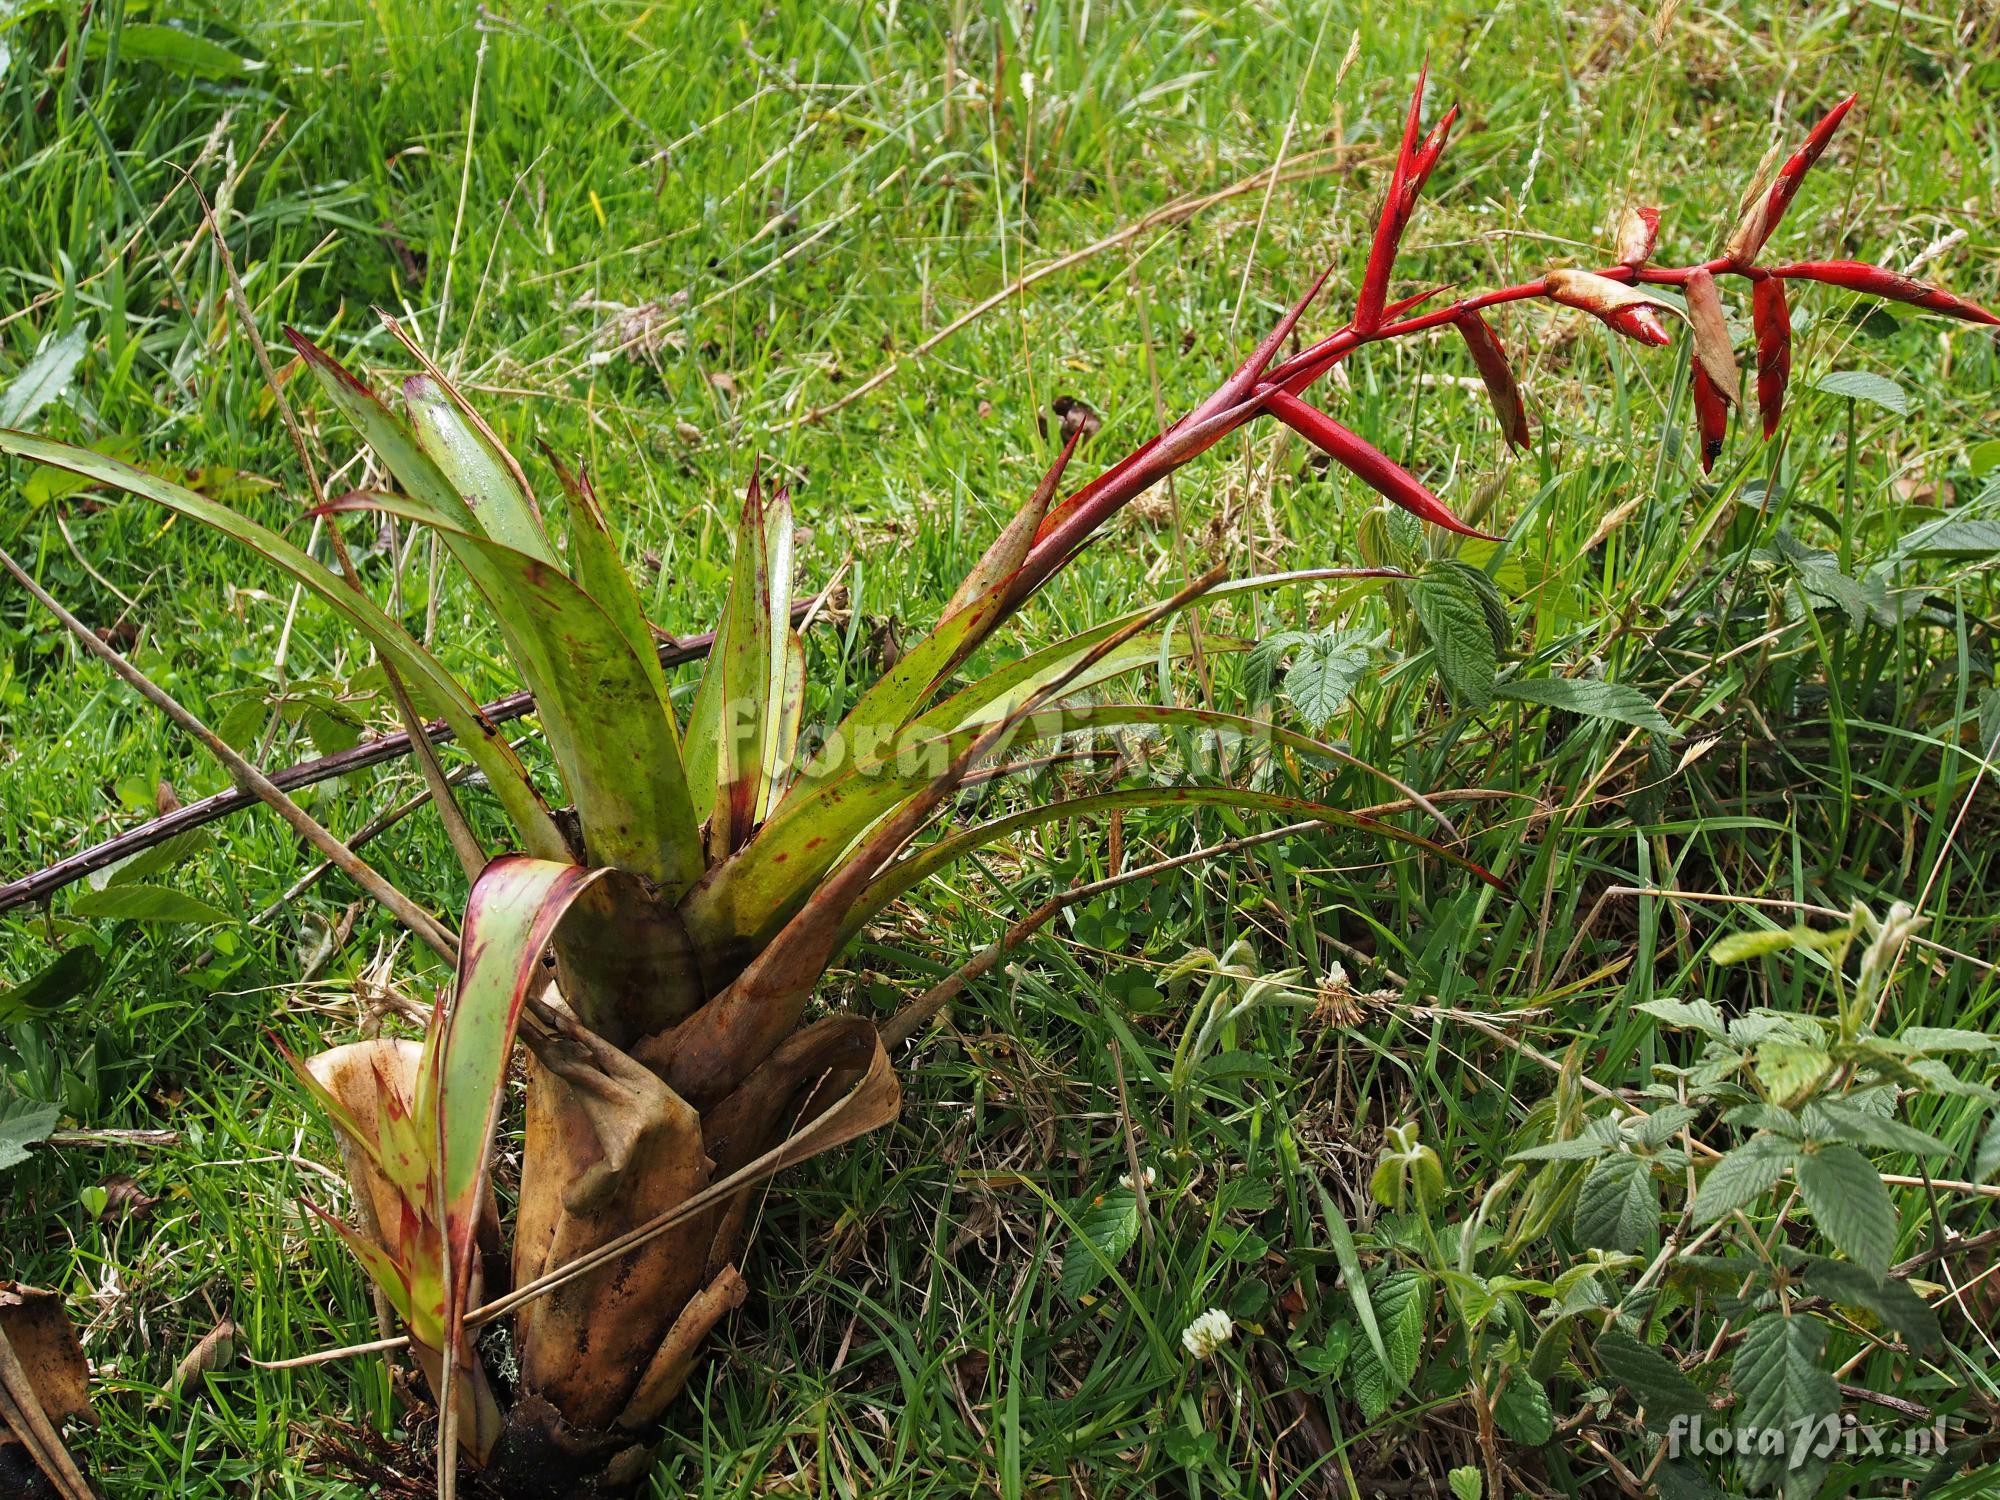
<point>1150,1176</point>
<point>1208,1333</point>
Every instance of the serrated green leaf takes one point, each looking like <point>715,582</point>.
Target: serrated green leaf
<point>1865,385</point>
<point>1324,673</point>
<point>1849,1204</point>
<point>1401,1303</point>
<point>1617,701</point>
<point>1743,1176</point>
<point>1618,1207</point>
<point>1781,1387</point>
<point>1465,1483</point>
<point>1522,1409</point>
<point>1454,621</point>
<point>1699,1015</point>
<point>1105,1230</point>
<point>1986,1163</point>
<point>1790,1071</point>
<point>1739,946</point>
<point>1655,1381</point>
<point>1837,1119</point>
<point>1928,1039</point>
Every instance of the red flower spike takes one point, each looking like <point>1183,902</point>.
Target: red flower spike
<point>1771,318</point>
<point>1638,233</point>
<point>1747,239</point>
<point>1413,168</point>
<point>1877,281</point>
<point>1501,387</point>
<point>1367,463</point>
<point>1711,415</point>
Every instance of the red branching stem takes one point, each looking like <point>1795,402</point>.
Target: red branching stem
<point>1069,525</point>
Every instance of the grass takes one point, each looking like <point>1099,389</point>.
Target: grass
<point>661,236</point>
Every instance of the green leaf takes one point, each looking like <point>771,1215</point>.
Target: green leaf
<point>1945,1039</point>
<point>1957,536</point>
<point>1465,1483</point>
<point>22,1123</point>
<point>1522,1409</point>
<point>992,696</point>
<point>1850,1204</point>
<point>389,437</point>
<point>138,902</point>
<point>1987,1163</point>
<point>1324,673</point>
<point>73,974</point>
<point>1454,620</point>
<point>439,691</point>
<point>1781,1387</point>
<point>44,377</point>
<point>1698,1015</point>
<point>1655,1381</point>
<point>1739,946</point>
<point>1743,1176</point>
<point>1865,385</point>
<point>735,706</point>
<point>171,48</point>
<point>1401,1303</point>
<point>1617,701</point>
<point>1842,1120</point>
<point>1890,1299</point>
<point>1105,1230</point>
<point>157,860</point>
<point>1790,1071</point>
<point>1618,1207</point>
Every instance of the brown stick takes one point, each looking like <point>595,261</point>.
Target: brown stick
<point>252,781</point>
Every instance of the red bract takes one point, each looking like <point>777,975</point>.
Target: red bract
<point>1711,415</point>
<point>1771,318</point>
<point>1491,361</point>
<point>1367,463</point>
<point>1624,308</point>
<point>1747,239</point>
<point>1877,281</point>
<point>1414,162</point>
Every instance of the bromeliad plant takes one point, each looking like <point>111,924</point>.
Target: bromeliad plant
<point>657,934</point>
